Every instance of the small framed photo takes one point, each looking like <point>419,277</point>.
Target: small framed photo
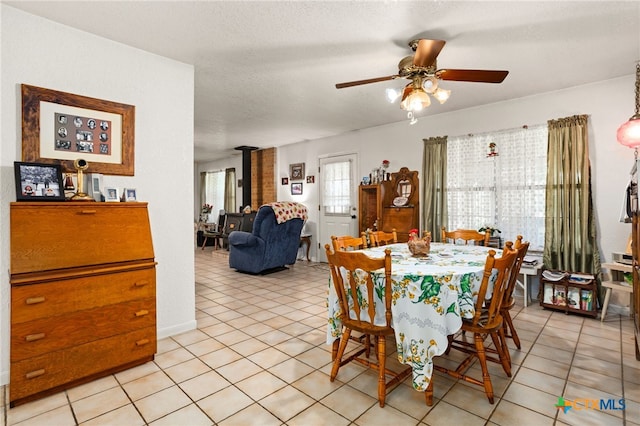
<point>311,179</point>
<point>38,182</point>
<point>129,194</point>
<point>296,188</point>
<point>296,171</point>
<point>111,194</point>
<point>285,181</point>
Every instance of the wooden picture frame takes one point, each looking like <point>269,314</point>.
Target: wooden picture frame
<point>296,171</point>
<point>38,182</point>
<point>59,127</point>
<point>285,181</point>
<point>296,188</point>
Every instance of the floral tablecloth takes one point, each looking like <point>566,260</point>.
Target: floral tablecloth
<point>430,296</point>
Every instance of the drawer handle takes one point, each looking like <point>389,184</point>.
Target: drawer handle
<point>34,374</point>
<point>142,342</point>
<point>34,300</point>
<point>140,283</point>
<point>34,337</point>
<point>142,313</point>
<point>88,212</point>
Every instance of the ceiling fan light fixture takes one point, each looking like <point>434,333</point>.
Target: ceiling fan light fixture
<point>416,101</point>
<point>629,133</point>
<point>442,95</point>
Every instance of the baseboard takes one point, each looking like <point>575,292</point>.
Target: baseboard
<point>177,329</point>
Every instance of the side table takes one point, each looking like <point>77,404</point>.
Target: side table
<point>617,283</point>
<point>306,239</point>
<point>525,271</point>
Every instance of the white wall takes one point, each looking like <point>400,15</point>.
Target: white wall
<point>162,92</point>
<point>608,104</point>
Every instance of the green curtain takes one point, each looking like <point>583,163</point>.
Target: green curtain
<point>434,188</point>
<point>570,228</point>
<point>230,190</point>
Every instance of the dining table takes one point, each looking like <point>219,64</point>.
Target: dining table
<point>430,296</point>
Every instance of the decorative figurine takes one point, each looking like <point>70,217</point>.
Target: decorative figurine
<point>81,165</point>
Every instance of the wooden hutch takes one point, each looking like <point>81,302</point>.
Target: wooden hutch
<point>392,204</point>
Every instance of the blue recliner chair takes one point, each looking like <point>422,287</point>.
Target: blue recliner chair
<point>274,241</point>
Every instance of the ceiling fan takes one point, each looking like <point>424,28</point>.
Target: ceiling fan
<point>421,69</point>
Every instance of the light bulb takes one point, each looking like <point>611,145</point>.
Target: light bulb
<point>430,84</point>
<point>392,94</point>
<point>442,95</point>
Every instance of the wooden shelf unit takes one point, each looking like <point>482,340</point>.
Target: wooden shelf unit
<point>370,207</point>
<point>569,296</point>
<point>83,294</point>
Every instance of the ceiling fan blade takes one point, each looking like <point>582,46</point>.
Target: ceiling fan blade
<point>477,76</point>
<point>360,82</point>
<point>427,52</point>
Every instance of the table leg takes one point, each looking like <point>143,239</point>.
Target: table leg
<point>605,304</point>
<point>307,241</point>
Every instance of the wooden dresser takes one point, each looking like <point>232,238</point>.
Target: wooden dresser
<point>83,294</point>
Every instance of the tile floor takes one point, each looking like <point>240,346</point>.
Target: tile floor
<point>259,357</point>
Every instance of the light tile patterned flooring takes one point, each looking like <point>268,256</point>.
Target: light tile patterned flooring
<point>259,357</point>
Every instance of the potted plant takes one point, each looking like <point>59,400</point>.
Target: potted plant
<point>492,230</point>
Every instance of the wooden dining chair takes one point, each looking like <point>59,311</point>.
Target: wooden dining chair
<point>381,238</point>
<point>487,321</point>
<point>347,242</point>
<point>353,273</point>
<point>509,301</point>
<point>480,238</point>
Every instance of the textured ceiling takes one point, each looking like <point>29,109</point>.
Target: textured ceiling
<point>265,71</point>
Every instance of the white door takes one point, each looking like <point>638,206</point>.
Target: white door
<point>338,199</point>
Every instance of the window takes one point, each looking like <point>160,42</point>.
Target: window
<point>506,190</point>
<point>213,191</point>
<point>337,188</point>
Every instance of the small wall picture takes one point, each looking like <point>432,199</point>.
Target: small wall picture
<point>296,188</point>
<point>296,171</point>
<point>129,194</point>
<point>285,181</point>
<point>111,194</point>
<point>38,182</point>
<point>311,179</point>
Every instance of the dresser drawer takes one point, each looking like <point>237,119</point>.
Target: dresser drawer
<point>94,233</point>
<point>44,372</point>
<point>47,300</point>
<point>44,335</point>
